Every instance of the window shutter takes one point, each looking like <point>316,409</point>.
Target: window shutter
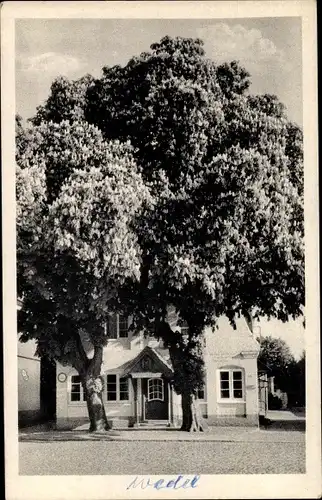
<point>112,326</point>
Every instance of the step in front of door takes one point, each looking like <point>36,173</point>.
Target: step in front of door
<point>153,424</point>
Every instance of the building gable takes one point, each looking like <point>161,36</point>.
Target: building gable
<point>148,361</point>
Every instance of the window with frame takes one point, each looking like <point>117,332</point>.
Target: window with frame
<point>155,389</point>
<point>201,393</point>
<point>111,387</point>
<point>117,388</point>
<point>123,326</point>
<point>118,326</point>
<point>231,384</point>
<point>124,389</point>
<point>76,390</point>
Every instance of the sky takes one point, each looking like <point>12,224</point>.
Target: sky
<point>269,48</point>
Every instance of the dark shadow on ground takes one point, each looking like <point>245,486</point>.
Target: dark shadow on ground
<point>281,425</point>
<point>37,427</point>
<point>36,436</point>
<point>300,412</point>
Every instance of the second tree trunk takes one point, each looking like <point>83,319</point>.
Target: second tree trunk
<point>93,388</point>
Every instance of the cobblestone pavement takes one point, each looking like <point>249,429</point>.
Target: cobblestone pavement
<point>156,457</point>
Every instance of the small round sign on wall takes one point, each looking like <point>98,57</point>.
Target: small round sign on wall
<point>62,377</point>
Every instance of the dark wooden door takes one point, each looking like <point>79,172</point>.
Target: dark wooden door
<point>155,391</point>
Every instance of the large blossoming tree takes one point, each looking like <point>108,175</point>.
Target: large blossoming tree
<point>224,232</point>
<point>78,200</point>
<point>225,236</point>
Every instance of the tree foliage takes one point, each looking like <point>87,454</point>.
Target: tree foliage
<point>276,358</point>
<point>299,381</point>
<point>76,196</point>
<point>71,188</point>
<point>66,101</point>
<point>227,223</point>
<point>222,232</point>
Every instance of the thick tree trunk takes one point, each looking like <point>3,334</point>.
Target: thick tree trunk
<point>198,422</point>
<point>192,420</point>
<point>89,371</point>
<point>93,388</point>
<point>186,404</point>
<point>180,355</point>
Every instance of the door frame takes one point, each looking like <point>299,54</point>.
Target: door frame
<point>144,397</point>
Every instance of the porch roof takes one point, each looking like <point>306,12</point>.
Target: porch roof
<point>133,366</point>
<point>158,362</point>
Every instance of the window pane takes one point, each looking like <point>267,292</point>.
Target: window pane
<point>201,394</point>
<point>238,393</point>
<point>112,326</point>
<point>123,326</point>
<point>155,389</point>
<point>224,375</point>
<point>237,384</point>
<point>237,375</point>
<point>225,393</point>
<point>123,384</point>
<point>224,384</point>
<point>111,379</point>
<point>111,388</point>
<point>76,389</point>
<point>124,389</point>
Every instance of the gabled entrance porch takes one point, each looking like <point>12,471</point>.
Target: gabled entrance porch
<point>150,376</point>
<point>153,399</point>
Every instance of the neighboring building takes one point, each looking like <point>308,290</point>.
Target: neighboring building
<point>137,376</point>
<point>36,385</point>
<point>29,405</point>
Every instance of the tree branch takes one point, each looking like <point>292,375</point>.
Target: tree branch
<point>80,361</point>
<point>249,319</point>
<point>96,362</point>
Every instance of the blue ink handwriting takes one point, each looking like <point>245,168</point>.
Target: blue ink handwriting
<point>160,484</point>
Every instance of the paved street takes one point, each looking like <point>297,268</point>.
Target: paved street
<point>159,457</point>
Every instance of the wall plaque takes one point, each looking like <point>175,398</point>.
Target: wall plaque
<point>62,377</point>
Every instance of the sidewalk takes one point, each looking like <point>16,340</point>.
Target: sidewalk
<point>220,434</point>
<point>285,415</point>
<point>285,420</point>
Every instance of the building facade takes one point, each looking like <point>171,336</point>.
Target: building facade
<point>29,404</point>
<point>137,374</point>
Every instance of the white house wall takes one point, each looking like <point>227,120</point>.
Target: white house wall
<point>28,384</point>
<point>70,413</point>
<point>29,407</point>
<point>223,351</point>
